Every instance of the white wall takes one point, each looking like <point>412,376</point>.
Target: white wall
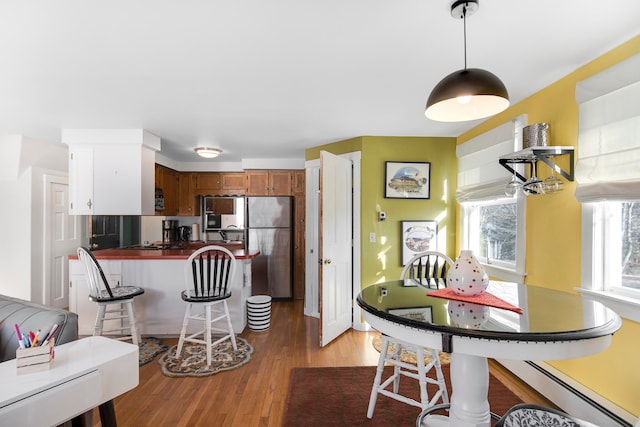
<point>15,253</point>
<point>151,228</point>
<point>22,216</point>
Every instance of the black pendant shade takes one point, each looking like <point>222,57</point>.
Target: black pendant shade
<point>468,94</point>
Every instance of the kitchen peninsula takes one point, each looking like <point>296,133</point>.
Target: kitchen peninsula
<point>160,310</point>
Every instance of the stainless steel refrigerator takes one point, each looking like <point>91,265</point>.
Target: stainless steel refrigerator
<point>269,222</point>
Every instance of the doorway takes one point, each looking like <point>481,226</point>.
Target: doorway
<point>62,235</point>
<point>312,238</point>
<point>114,231</point>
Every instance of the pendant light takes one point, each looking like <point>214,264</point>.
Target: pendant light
<point>470,93</point>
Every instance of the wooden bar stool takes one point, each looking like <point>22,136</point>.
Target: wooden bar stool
<point>428,269</point>
<point>209,273</point>
<point>114,303</point>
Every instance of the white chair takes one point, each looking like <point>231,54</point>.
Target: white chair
<point>208,273</point>
<point>426,269</point>
<point>529,414</point>
<point>114,303</point>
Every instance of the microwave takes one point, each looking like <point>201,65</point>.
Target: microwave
<point>223,212</point>
<point>212,222</point>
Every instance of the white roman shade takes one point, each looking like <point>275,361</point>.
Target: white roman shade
<point>480,176</point>
<point>608,167</point>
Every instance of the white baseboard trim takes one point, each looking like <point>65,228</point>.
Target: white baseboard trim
<point>571,396</point>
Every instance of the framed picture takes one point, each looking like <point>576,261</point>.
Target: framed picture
<point>421,314</point>
<point>418,236</point>
<point>405,180</point>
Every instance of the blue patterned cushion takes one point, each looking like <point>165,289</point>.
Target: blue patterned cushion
<point>120,292</point>
<point>536,416</point>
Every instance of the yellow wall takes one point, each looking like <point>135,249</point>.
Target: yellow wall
<point>341,147</point>
<point>381,261</point>
<point>553,255</point>
<point>553,252</point>
<point>384,258</point>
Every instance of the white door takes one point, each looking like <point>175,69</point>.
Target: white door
<point>62,236</point>
<point>335,246</point>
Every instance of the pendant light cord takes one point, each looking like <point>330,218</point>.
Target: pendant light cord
<point>464,20</point>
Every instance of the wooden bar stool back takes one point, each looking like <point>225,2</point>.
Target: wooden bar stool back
<point>209,273</point>
<point>115,303</point>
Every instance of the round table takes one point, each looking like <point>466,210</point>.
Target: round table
<point>553,325</point>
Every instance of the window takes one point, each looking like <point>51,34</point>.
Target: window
<point>609,186</point>
<point>497,226</point>
<point>492,225</point>
<point>617,235</point>
<point>491,230</point>
<point>611,255</point>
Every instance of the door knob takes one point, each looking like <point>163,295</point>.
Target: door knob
<point>327,261</point>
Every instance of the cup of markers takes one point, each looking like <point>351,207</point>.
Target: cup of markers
<point>35,351</point>
<point>34,339</point>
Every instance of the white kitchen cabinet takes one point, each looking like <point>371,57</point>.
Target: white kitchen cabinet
<point>79,302</point>
<point>111,172</point>
<point>81,185</point>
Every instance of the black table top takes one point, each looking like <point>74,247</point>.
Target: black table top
<point>548,315</point>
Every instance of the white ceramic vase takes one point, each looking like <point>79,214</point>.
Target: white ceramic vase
<point>467,277</point>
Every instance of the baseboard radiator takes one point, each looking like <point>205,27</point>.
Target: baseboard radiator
<point>568,394</point>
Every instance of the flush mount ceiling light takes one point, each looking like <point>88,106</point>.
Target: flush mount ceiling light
<point>470,93</point>
<point>208,152</point>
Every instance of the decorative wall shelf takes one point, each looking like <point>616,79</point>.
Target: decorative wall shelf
<point>546,154</point>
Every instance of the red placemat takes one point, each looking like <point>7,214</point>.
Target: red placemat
<point>484,298</point>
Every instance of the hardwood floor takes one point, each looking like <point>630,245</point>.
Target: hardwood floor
<point>255,394</point>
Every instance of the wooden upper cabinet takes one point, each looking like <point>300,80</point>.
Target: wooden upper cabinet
<point>257,182</point>
<point>167,183</point>
<point>207,181</point>
<point>187,201</point>
<point>299,177</point>
<point>159,169</point>
<point>189,185</point>
<point>269,182</point>
<point>233,182</point>
<point>219,183</point>
<point>280,182</point>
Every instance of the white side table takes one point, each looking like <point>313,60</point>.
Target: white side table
<point>85,374</point>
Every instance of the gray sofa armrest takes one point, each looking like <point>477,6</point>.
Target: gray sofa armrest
<point>31,317</point>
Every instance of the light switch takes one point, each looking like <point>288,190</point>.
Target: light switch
<point>372,237</point>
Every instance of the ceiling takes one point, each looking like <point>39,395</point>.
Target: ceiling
<point>266,79</point>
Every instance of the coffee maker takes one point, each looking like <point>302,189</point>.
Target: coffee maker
<point>169,230</point>
<point>183,233</point>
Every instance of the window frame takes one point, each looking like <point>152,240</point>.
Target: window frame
<point>597,234</point>
<point>469,239</point>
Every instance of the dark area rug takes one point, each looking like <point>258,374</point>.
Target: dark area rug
<point>193,361</point>
<point>150,347</point>
<point>340,397</point>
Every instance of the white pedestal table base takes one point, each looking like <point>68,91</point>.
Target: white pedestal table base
<point>469,394</point>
